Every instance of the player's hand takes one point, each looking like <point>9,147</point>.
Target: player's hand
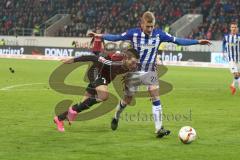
<point>159,61</point>
<point>93,34</point>
<point>67,60</point>
<point>204,42</point>
<point>224,56</point>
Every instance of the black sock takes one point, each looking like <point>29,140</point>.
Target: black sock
<point>62,116</point>
<point>85,105</point>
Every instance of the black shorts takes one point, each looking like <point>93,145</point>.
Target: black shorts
<point>91,88</point>
<point>92,73</point>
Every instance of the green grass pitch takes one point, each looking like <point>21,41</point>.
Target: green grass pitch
<point>28,132</point>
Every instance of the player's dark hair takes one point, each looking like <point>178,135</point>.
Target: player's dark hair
<point>131,52</point>
<point>233,23</point>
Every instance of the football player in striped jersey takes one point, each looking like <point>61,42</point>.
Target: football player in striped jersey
<point>231,48</point>
<point>146,40</point>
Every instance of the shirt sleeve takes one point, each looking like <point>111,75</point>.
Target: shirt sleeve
<point>185,42</point>
<point>166,37</point>
<point>86,59</point>
<point>118,37</point>
<point>94,59</point>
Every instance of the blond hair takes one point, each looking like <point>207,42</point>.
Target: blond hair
<point>148,17</point>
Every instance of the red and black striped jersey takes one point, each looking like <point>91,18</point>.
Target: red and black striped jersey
<point>108,67</point>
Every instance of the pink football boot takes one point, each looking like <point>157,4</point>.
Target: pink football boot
<point>60,124</point>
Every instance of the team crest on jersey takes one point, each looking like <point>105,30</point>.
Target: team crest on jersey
<point>123,34</point>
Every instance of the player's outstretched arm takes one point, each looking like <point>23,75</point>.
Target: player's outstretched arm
<point>182,41</point>
<point>204,42</point>
<point>80,59</point>
<point>93,34</point>
<point>111,37</point>
<point>158,61</point>
<point>88,58</point>
<point>187,42</point>
<point>67,60</point>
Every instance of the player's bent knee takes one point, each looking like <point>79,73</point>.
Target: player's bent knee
<point>154,94</point>
<point>103,97</point>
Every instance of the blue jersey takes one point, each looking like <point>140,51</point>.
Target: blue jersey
<point>231,46</point>
<point>147,45</point>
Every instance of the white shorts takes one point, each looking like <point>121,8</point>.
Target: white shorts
<point>134,79</point>
<point>234,67</point>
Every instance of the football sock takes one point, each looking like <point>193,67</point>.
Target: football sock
<point>85,105</point>
<point>239,82</point>
<point>78,108</point>
<point>235,82</point>
<point>120,107</point>
<point>62,116</point>
<point>157,114</point>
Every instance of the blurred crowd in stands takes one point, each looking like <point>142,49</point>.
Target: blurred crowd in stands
<point>19,14</point>
<point>116,16</point>
<point>217,15</point>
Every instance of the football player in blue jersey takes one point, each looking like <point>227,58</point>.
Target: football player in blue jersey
<point>146,40</point>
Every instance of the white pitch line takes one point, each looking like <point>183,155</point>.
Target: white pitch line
<point>18,85</point>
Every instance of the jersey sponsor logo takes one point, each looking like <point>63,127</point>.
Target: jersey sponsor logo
<point>153,38</point>
<point>232,44</point>
<point>146,46</point>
